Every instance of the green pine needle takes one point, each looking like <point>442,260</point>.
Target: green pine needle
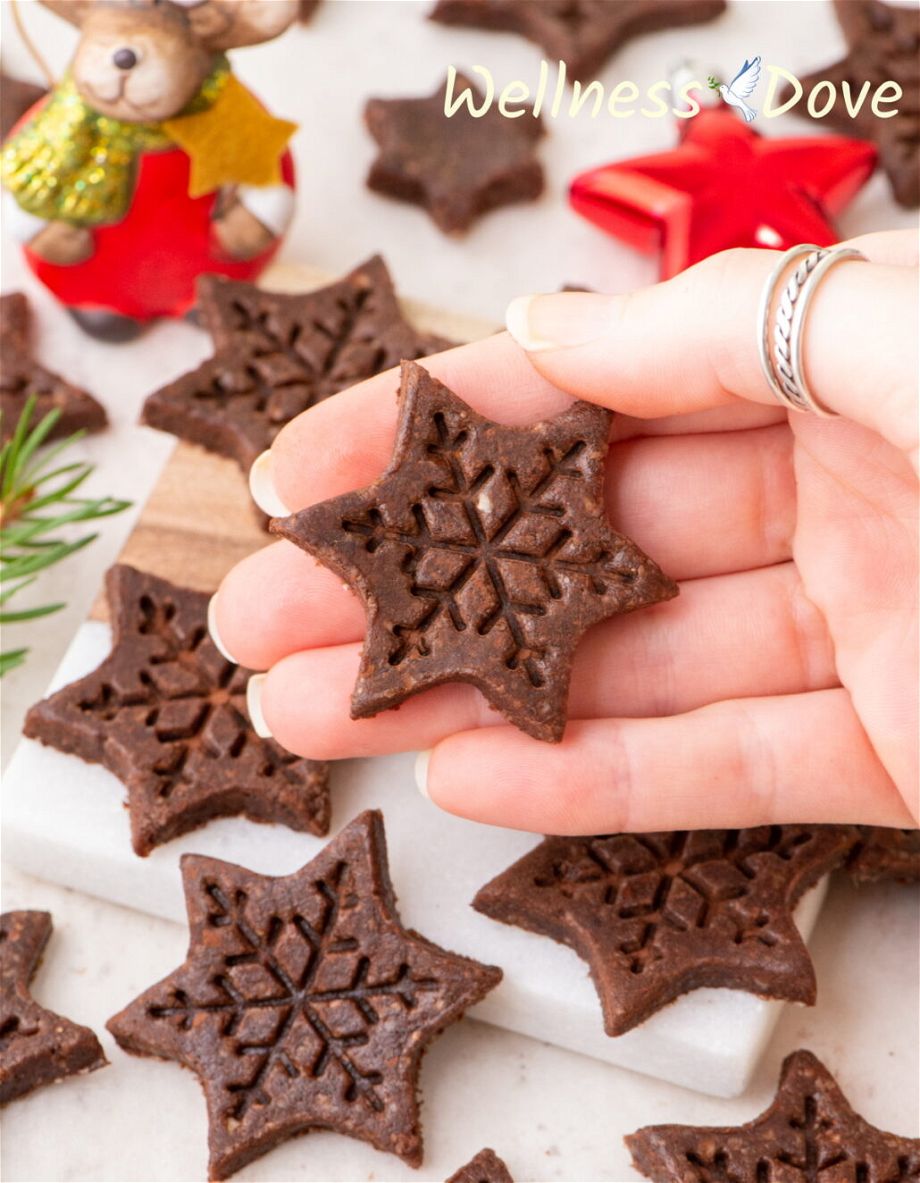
<point>30,613</point>
<point>36,501</point>
<point>10,659</point>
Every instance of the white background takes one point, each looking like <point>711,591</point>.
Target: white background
<point>552,1114</point>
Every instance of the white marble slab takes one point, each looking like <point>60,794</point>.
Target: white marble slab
<point>556,1117</point>
<point>64,820</point>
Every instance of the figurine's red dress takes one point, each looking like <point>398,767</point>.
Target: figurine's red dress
<point>146,265</point>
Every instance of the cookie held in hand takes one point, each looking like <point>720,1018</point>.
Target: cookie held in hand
<point>37,1046</point>
<point>482,555</point>
<point>303,1002</point>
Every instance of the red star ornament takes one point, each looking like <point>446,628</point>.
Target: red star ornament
<point>725,185</point>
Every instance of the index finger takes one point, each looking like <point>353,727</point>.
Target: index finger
<point>682,359</point>
<point>691,343</point>
<point>346,441</point>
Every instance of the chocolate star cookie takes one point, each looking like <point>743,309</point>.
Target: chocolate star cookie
<point>307,8</point>
<point>303,1002</point>
<point>581,33</point>
<point>883,853</point>
<point>22,376</point>
<point>457,167</point>
<point>486,1167</point>
<point>16,97</point>
<point>809,1132</point>
<point>166,713</point>
<point>657,915</point>
<point>883,43</point>
<point>482,554</point>
<point>36,1046</point>
<point>276,354</point>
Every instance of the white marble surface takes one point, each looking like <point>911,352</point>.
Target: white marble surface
<point>65,819</point>
<point>553,1114</point>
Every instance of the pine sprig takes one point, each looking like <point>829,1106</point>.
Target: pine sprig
<point>37,499</point>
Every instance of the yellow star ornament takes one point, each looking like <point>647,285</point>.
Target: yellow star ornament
<point>234,142</point>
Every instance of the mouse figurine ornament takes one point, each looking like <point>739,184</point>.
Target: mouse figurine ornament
<point>149,163</point>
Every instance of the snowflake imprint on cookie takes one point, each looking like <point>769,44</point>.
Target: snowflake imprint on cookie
<point>658,914</point>
<point>278,353</point>
<point>885,853</point>
<point>482,554</point>
<point>276,995</point>
<point>166,713</point>
<point>810,1134</point>
<point>303,1001</point>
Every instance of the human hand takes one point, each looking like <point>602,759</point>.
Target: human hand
<point>780,686</point>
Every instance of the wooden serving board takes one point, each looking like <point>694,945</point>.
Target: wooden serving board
<point>200,521</point>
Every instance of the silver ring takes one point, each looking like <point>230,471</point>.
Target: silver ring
<point>779,374</point>
<point>784,366</point>
<point>784,320</point>
<point>797,335</point>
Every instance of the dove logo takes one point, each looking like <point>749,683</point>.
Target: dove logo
<point>741,88</point>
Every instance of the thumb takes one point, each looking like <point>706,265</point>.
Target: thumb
<point>691,343</point>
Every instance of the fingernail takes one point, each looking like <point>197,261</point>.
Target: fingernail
<point>421,772</point>
<point>262,487</point>
<point>254,706</point>
<point>559,320</point>
<point>215,634</point>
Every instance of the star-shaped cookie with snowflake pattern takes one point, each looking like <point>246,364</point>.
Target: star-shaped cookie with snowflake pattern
<point>166,713</point>
<point>658,914</point>
<point>482,555</point>
<point>278,353</point>
<point>303,1002</point>
<point>809,1133</point>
